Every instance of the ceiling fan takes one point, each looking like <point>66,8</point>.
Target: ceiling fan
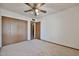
<point>35,8</point>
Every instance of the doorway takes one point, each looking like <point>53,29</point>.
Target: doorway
<point>35,30</point>
<point>32,30</point>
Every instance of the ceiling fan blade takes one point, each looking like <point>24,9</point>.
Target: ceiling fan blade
<point>28,10</point>
<point>28,4</point>
<point>43,11</point>
<point>41,4</point>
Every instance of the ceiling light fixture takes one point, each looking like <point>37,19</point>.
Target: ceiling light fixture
<point>36,12</point>
<point>35,8</point>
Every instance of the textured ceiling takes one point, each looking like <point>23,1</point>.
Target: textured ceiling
<point>50,7</point>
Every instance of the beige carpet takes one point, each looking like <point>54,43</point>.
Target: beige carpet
<point>37,48</point>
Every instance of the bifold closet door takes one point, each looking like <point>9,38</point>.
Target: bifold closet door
<point>21,33</point>
<point>14,30</point>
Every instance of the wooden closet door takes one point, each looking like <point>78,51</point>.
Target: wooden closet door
<point>6,31</point>
<point>21,31</point>
<point>14,30</point>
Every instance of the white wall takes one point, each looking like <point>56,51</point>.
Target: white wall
<point>62,27</point>
<point>4,12</point>
<point>8,13</point>
<point>43,29</point>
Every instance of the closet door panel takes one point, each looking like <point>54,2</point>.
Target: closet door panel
<point>22,32</point>
<point>6,31</point>
<point>14,31</point>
